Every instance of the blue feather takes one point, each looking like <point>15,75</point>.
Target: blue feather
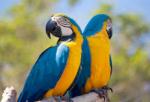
<point>111,64</point>
<point>74,23</point>
<point>95,24</point>
<point>45,73</point>
<point>85,70</point>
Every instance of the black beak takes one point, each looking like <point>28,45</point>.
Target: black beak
<point>109,31</point>
<point>52,28</point>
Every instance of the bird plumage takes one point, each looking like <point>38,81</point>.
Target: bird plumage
<point>96,60</point>
<point>55,70</point>
<point>45,73</point>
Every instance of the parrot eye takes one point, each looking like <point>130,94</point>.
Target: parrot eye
<point>109,24</point>
<point>109,28</point>
<point>64,22</point>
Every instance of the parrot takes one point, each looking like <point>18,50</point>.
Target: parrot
<point>96,60</point>
<point>55,71</point>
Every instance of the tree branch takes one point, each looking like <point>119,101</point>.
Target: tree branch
<point>9,95</point>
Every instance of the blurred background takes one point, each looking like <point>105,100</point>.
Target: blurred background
<point>23,38</point>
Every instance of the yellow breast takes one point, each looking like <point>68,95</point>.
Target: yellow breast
<point>100,67</point>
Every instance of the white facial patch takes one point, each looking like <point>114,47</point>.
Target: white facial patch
<point>66,31</point>
<point>63,24</point>
<point>109,24</point>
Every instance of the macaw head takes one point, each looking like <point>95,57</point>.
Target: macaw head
<point>96,25</point>
<point>63,27</point>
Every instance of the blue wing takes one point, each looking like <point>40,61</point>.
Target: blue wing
<point>45,73</point>
<point>84,73</point>
<point>111,64</point>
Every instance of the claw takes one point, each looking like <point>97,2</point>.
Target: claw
<point>108,88</point>
<point>103,92</point>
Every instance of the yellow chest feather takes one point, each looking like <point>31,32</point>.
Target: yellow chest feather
<point>100,66</point>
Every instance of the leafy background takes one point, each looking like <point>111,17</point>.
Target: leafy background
<point>23,38</point>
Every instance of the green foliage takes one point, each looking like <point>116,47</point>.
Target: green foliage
<point>73,2</point>
<point>104,8</point>
<point>133,24</point>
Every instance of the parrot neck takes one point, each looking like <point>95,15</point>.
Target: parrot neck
<point>66,38</point>
<point>76,37</point>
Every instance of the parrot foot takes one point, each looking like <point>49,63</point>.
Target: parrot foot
<point>103,93</point>
<point>62,98</point>
<point>108,88</point>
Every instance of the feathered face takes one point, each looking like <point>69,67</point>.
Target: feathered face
<point>59,26</point>
<point>109,28</point>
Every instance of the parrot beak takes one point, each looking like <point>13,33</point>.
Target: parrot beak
<point>109,28</point>
<point>52,28</point>
<point>109,31</point>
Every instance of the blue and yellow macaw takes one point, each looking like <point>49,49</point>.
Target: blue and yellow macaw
<point>56,69</point>
<point>96,61</point>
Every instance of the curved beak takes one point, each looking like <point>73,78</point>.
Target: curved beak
<point>109,28</point>
<point>53,28</point>
<point>109,31</point>
<point>50,27</point>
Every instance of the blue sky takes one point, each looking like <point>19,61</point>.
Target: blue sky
<point>5,4</point>
<point>82,10</point>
